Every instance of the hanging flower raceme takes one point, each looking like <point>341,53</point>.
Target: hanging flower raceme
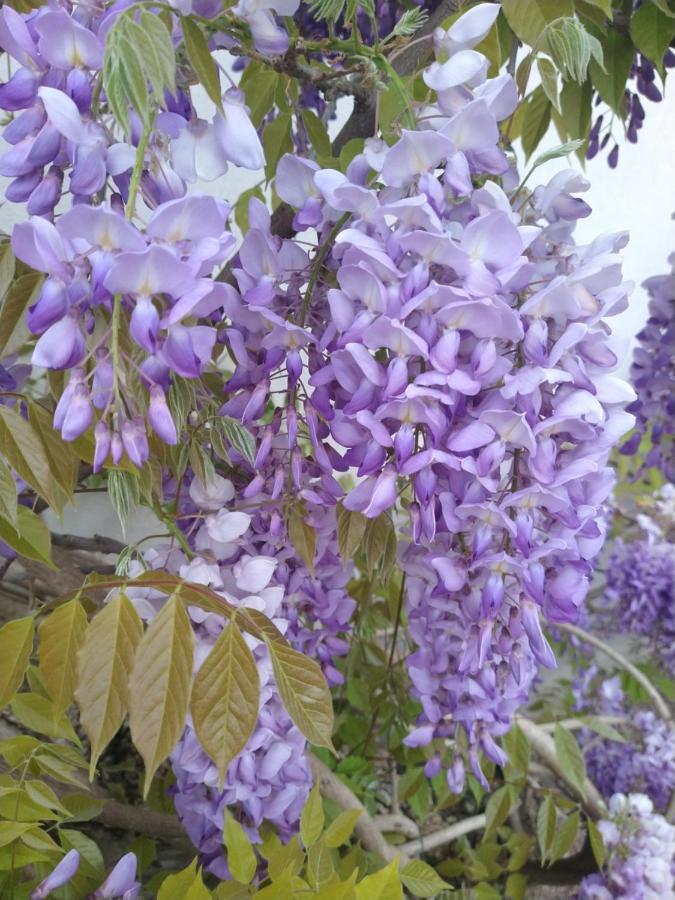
<point>101,270</point>
<point>640,851</point>
<point>465,365</point>
<point>653,375</point>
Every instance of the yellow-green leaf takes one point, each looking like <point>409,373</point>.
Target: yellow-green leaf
<point>8,499</point>
<point>340,829</point>
<point>312,819</point>
<point>178,886</point>
<point>104,663</point>
<point>160,686</point>
<point>22,293</point>
<point>23,450</point>
<point>422,880</point>
<point>382,885</point>
<point>241,859</point>
<point>304,693</point>
<point>351,526</point>
<point>570,756</point>
<point>10,831</point>
<point>16,644</point>
<point>225,697</point>
<point>63,462</point>
<point>201,59</point>
<point>564,837</point>
<point>61,635</point>
<point>37,714</point>
<point>29,536</point>
<point>528,20</point>
<point>302,535</point>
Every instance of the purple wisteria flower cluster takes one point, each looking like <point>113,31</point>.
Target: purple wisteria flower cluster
<point>645,762</point>
<point>467,370</point>
<point>245,557</point>
<point>640,852</point>
<point>653,374</point>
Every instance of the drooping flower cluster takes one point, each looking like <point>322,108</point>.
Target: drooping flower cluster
<point>645,762</point>
<point>121,882</point>
<point>640,594</point>
<point>640,852</point>
<point>464,365</point>
<point>643,72</point>
<point>246,558</point>
<point>653,375</point>
<point>101,266</point>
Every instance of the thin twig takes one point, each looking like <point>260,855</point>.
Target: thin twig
<point>660,704</point>
<point>96,544</point>
<point>444,836</point>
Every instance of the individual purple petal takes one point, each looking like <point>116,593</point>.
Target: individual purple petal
<point>147,273</point>
<point>121,879</point>
<point>65,44</point>
<point>79,414</point>
<point>144,324</point>
<point>235,132</point>
<point>135,441</point>
<point>160,417</point>
<point>62,346</point>
<point>60,875</point>
<point>102,445</point>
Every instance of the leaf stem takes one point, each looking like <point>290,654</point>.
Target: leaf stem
<point>137,172</point>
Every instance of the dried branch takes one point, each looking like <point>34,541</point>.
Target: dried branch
<point>443,836</point>
<point>544,747</point>
<point>159,826</point>
<point>96,544</point>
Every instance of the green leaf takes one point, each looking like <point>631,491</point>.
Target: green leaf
<point>24,451</point>
<point>21,294</point>
<point>225,697</point>
<point>10,831</point>
<point>132,78</point>
<point>351,526</point>
<point>528,20</point>
<point>575,103</point>
<point>37,714</point>
<point>241,859</point>
<point>652,31</point>
<point>8,498</point>
<point>277,140</point>
<point>382,885</point>
<point>549,80</point>
<point>91,858</point>
<point>564,837</point>
<point>571,47</point>
<point>159,687</point>
<point>422,880</point>
<point>570,756</point>
<point>604,5</point>
<point>62,460</point>
<point>61,635</point>
<point>316,131</point>
<point>599,726</point>
<point>104,663</point>
<point>123,493</point>
<point>516,886</point>
<point>180,885</point>
<point>160,37</point>
<point>618,52</point>
<point>379,544</point>
<point>341,828</point>
<point>238,437</point>
<point>30,536</point>
<point>498,807</point>
<point>16,645</point>
<point>664,7</point>
<point>201,59</point>
<point>536,121</point>
<point>597,843</point>
<point>7,271</point>
<point>312,819</point>
<point>302,535</point>
<point>517,746</point>
<point>556,152</point>
<point>304,693</point>
<point>259,84</point>
<point>546,823</point>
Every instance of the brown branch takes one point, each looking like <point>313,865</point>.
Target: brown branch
<point>156,825</point>
<point>333,788</point>
<point>96,544</point>
<point>543,746</point>
<point>361,123</point>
